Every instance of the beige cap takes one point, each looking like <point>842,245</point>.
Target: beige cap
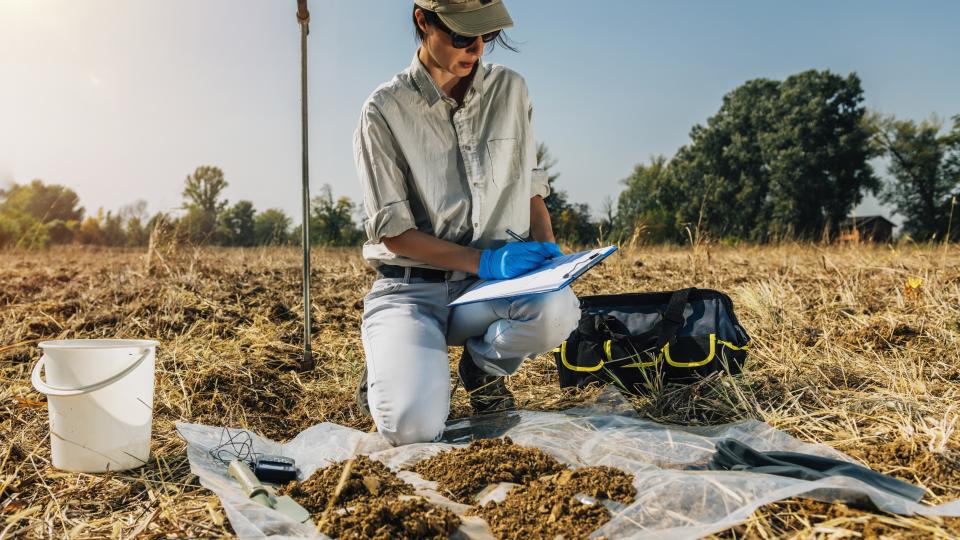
<point>470,17</point>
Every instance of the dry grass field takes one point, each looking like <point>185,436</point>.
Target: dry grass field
<point>845,352</point>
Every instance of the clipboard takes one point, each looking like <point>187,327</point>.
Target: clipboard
<point>554,275</point>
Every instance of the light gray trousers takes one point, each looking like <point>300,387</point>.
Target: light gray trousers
<point>407,327</point>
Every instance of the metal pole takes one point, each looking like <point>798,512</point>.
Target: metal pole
<point>303,17</point>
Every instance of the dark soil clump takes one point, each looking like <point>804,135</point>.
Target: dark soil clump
<point>368,480</point>
<point>388,519</point>
<point>554,506</point>
<point>371,504</point>
<point>600,482</point>
<point>461,473</point>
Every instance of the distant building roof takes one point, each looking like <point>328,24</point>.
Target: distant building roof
<point>865,220</point>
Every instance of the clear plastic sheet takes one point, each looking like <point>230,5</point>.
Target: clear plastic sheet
<point>674,499</point>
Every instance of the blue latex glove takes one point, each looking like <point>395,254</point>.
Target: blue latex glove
<point>515,258</point>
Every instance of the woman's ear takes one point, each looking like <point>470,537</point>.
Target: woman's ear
<point>421,20</point>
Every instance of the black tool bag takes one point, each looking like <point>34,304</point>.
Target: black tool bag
<point>640,341</point>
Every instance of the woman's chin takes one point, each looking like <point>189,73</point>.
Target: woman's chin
<point>462,69</point>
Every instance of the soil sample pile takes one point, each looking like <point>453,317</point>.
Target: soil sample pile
<point>555,506</point>
<point>599,482</point>
<point>371,504</point>
<point>368,480</point>
<point>392,518</point>
<point>461,473</point>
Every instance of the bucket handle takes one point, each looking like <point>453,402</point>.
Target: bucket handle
<point>45,388</point>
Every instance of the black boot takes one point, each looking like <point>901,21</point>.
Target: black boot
<point>488,393</point>
<point>361,394</point>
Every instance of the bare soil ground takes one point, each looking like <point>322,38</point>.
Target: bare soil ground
<point>845,353</point>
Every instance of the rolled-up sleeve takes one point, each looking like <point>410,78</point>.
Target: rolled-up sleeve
<point>380,167</point>
<point>539,183</point>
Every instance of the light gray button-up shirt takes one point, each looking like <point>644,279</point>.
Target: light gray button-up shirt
<point>464,174</point>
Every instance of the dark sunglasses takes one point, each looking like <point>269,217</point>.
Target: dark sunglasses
<point>458,41</point>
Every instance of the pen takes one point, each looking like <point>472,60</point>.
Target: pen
<point>519,238</point>
<point>515,236</point>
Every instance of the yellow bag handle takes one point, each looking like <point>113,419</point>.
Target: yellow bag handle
<point>563,359</point>
<point>729,345</point>
<point>705,361</point>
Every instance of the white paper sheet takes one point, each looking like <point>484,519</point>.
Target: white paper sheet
<point>555,275</point>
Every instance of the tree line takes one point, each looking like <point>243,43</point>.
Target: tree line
<point>790,160</point>
<point>35,215</point>
<point>780,160</point>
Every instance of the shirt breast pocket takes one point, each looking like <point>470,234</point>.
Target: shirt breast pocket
<point>504,161</point>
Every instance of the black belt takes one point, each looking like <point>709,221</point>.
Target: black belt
<point>429,274</point>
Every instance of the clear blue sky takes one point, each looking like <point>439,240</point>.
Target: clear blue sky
<point>121,100</point>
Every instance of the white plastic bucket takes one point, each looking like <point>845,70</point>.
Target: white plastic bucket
<point>100,400</point>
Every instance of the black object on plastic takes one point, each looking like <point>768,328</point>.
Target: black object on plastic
<point>275,469</point>
<point>733,455</point>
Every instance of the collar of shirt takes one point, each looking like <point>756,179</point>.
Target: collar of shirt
<point>428,87</point>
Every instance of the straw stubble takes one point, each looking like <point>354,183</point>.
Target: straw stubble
<point>846,352</point>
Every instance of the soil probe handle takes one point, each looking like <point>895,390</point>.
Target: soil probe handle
<point>302,14</point>
<point>251,486</point>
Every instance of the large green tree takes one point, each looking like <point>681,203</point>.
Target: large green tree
<point>924,163</point>
<point>331,221</point>
<point>646,207</point>
<point>720,181</point>
<point>236,226</point>
<point>202,197</point>
<point>203,188</point>
<point>818,153</point>
<point>778,159</point>
<point>271,227</point>
<point>198,226</point>
<point>43,202</point>
<point>31,215</point>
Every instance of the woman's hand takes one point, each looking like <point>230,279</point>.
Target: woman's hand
<point>515,258</point>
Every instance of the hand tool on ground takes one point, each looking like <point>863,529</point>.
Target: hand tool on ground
<point>261,494</point>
